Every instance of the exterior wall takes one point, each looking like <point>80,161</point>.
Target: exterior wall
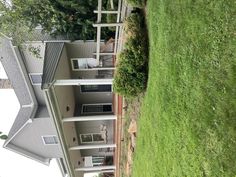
<point>66,100</point>
<point>42,112</point>
<point>91,98</point>
<point>65,94</point>
<point>63,69</point>
<point>35,65</point>
<point>72,140</point>
<point>94,127</point>
<point>30,138</point>
<point>81,49</point>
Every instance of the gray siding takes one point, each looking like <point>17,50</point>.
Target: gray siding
<point>30,138</point>
<point>34,65</point>
<point>22,117</point>
<point>42,112</point>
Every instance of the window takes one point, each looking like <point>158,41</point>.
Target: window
<point>50,140</point>
<point>92,138</point>
<point>95,88</point>
<point>36,78</point>
<point>83,63</point>
<point>97,108</point>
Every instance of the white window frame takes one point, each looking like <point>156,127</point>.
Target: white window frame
<point>54,136</point>
<point>85,59</point>
<point>83,105</point>
<point>81,139</point>
<point>30,74</point>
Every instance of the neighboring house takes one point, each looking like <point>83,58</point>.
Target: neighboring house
<point>67,110</point>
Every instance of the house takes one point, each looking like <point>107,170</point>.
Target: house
<point>67,110</point>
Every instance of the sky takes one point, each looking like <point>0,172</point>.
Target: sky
<point>13,164</point>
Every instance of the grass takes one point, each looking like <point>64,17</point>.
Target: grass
<point>188,119</point>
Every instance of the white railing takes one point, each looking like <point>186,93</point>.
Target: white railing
<point>99,26</point>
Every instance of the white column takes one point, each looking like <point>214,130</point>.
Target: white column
<point>92,146</point>
<point>97,69</point>
<point>107,24</point>
<point>89,118</point>
<point>106,11</point>
<point>97,168</point>
<point>84,82</point>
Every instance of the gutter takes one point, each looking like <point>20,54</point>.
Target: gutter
<point>54,113</point>
<point>30,155</point>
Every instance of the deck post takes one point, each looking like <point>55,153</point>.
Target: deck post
<point>89,118</point>
<point>98,146</point>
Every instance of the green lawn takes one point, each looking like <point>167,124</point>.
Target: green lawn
<point>188,119</point>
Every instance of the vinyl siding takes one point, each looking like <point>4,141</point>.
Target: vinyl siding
<point>30,138</point>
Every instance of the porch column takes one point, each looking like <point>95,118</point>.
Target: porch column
<point>83,82</point>
<point>81,147</point>
<point>107,24</point>
<point>89,118</point>
<point>106,11</point>
<point>96,168</point>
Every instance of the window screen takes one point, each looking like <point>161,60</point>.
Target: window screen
<point>36,78</point>
<point>50,140</point>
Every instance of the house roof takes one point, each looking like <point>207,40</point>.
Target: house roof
<point>14,66</point>
<point>52,56</point>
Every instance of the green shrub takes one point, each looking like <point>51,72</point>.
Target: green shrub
<point>134,25</point>
<point>136,3</point>
<point>131,73</point>
<point>129,82</point>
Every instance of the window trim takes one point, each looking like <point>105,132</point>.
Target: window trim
<point>82,142</point>
<point>83,105</point>
<point>31,80</point>
<point>49,136</point>
<point>81,91</point>
<point>77,59</point>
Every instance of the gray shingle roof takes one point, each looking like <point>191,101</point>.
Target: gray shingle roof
<point>11,66</point>
<point>52,56</point>
<point>18,77</point>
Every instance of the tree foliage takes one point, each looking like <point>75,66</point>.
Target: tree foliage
<point>72,18</point>
<point>2,136</point>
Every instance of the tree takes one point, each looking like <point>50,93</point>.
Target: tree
<point>2,136</point>
<point>72,18</point>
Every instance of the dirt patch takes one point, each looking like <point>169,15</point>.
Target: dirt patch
<point>129,132</point>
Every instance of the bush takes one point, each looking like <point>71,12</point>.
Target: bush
<point>136,3</point>
<point>131,73</point>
